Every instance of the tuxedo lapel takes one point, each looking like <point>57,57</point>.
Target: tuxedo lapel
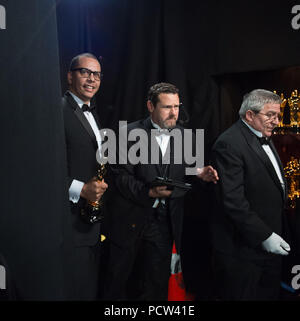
<point>156,167</point>
<point>173,168</point>
<point>277,157</point>
<point>96,117</point>
<point>82,119</point>
<point>259,151</point>
<point>273,148</point>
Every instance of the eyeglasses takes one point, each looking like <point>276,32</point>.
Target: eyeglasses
<point>86,73</point>
<point>271,116</point>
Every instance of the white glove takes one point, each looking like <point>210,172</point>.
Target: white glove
<point>276,244</point>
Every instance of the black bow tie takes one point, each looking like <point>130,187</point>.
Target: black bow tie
<point>87,108</point>
<point>264,140</point>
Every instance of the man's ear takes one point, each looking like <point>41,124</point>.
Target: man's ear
<point>69,77</point>
<point>249,115</point>
<point>150,106</point>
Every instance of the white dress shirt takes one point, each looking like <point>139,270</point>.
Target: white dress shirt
<point>270,154</point>
<point>163,141</point>
<point>76,186</point>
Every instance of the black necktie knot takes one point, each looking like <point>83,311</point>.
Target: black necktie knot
<point>264,140</point>
<point>85,107</point>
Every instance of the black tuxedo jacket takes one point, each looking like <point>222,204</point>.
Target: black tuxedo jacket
<point>130,205</point>
<point>250,197</point>
<point>81,147</point>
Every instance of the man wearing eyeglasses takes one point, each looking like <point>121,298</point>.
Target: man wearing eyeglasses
<point>248,229</point>
<point>145,220</point>
<point>82,141</point>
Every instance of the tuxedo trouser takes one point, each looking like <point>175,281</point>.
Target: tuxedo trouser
<point>240,279</point>
<point>142,271</point>
<point>83,272</point>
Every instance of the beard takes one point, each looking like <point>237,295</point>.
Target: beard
<point>169,123</point>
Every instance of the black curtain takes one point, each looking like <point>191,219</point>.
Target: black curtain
<point>32,162</point>
<point>188,43</point>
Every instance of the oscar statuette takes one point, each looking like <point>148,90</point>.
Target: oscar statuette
<point>92,212</point>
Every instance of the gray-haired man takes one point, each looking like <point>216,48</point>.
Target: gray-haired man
<point>247,225</point>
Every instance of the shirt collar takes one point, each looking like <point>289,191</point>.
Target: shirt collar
<point>254,131</point>
<point>162,131</point>
<point>155,125</point>
<point>79,102</point>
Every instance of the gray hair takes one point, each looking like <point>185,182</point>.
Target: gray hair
<point>256,99</point>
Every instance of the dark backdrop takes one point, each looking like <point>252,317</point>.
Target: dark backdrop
<point>32,163</point>
<point>214,51</point>
<point>188,43</point>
